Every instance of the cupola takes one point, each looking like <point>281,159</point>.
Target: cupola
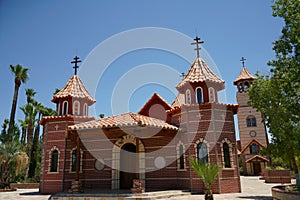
<point>200,85</point>
<point>245,79</point>
<point>73,99</point>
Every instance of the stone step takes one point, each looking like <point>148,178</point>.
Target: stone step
<point>144,196</point>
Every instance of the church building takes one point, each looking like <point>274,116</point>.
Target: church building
<point>252,130</point>
<point>82,154</point>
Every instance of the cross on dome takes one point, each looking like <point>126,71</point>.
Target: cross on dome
<point>243,61</point>
<point>197,42</point>
<point>76,61</point>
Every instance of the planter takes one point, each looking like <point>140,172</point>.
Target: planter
<point>279,193</point>
<point>277,176</point>
<point>24,185</point>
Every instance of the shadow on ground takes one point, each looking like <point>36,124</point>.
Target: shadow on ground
<point>30,194</point>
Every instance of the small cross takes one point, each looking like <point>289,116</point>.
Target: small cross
<point>243,61</point>
<point>197,42</point>
<point>182,75</point>
<point>76,61</point>
<point>199,115</point>
<point>56,127</point>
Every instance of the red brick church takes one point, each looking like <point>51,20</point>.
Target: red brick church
<point>82,154</point>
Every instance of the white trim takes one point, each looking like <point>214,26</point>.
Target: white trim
<point>196,93</point>
<point>85,109</point>
<point>211,94</point>
<point>81,158</point>
<point>196,148</point>
<point>63,108</point>
<point>188,100</point>
<point>78,108</point>
<point>50,160</point>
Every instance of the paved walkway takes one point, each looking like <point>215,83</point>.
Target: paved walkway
<point>252,188</point>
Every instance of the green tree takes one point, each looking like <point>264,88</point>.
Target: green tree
<point>208,173</point>
<point>21,76</point>
<point>12,159</point>
<point>29,94</point>
<point>276,95</point>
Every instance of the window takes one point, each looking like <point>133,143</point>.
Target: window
<point>211,94</point>
<point>251,121</point>
<point>65,108</point>
<point>246,86</point>
<point>54,161</point>
<point>181,158</point>
<point>254,149</point>
<point>58,109</point>
<point>188,97</point>
<point>202,152</point>
<point>199,95</point>
<point>73,164</point>
<point>226,155</point>
<point>76,108</point>
<point>85,109</point>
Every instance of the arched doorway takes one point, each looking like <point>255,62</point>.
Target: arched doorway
<point>128,164</point>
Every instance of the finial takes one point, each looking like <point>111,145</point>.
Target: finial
<point>197,42</point>
<point>76,61</point>
<point>243,61</point>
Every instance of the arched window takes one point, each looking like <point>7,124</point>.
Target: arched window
<point>73,164</point>
<point>181,158</point>
<point>65,108</point>
<point>226,155</point>
<point>76,108</point>
<point>85,109</point>
<point>199,95</point>
<point>202,152</point>
<point>188,97</point>
<point>54,161</point>
<point>251,121</point>
<point>246,86</point>
<point>211,94</point>
<point>254,149</point>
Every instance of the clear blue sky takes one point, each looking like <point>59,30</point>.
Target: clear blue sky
<point>45,35</point>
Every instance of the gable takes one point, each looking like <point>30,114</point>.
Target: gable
<point>156,107</point>
<point>250,143</point>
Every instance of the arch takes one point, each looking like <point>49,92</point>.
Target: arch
<point>251,121</point>
<point>76,108</point>
<point>116,151</point>
<point>199,95</point>
<point>65,108</point>
<point>58,109</point>
<point>85,109</point>
<point>180,149</point>
<point>202,150</point>
<point>54,154</point>
<point>73,156</point>
<point>212,97</point>
<point>188,97</point>
<point>226,148</point>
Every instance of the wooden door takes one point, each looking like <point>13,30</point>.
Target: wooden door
<point>128,159</point>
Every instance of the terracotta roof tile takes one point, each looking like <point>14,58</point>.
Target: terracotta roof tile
<point>200,72</point>
<point>244,75</point>
<point>123,120</point>
<point>258,157</point>
<point>148,103</point>
<point>75,89</point>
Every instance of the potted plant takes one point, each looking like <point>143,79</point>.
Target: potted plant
<point>208,173</point>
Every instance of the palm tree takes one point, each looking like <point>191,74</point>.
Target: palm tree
<point>208,173</point>
<point>21,76</point>
<point>11,152</point>
<point>24,126</point>
<point>29,94</point>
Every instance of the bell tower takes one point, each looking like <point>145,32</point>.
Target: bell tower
<point>72,103</point>
<point>252,130</point>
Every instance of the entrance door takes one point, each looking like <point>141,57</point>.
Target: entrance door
<point>256,168</point>
<point>128,159</point>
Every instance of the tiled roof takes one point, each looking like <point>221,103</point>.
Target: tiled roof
<point>251,142</point>
<point>66,117</point>
<point>244,75</point>
<point>74,89</point>
<point>179,100</point>
<point>124,120</point>
<point>200,72</point>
